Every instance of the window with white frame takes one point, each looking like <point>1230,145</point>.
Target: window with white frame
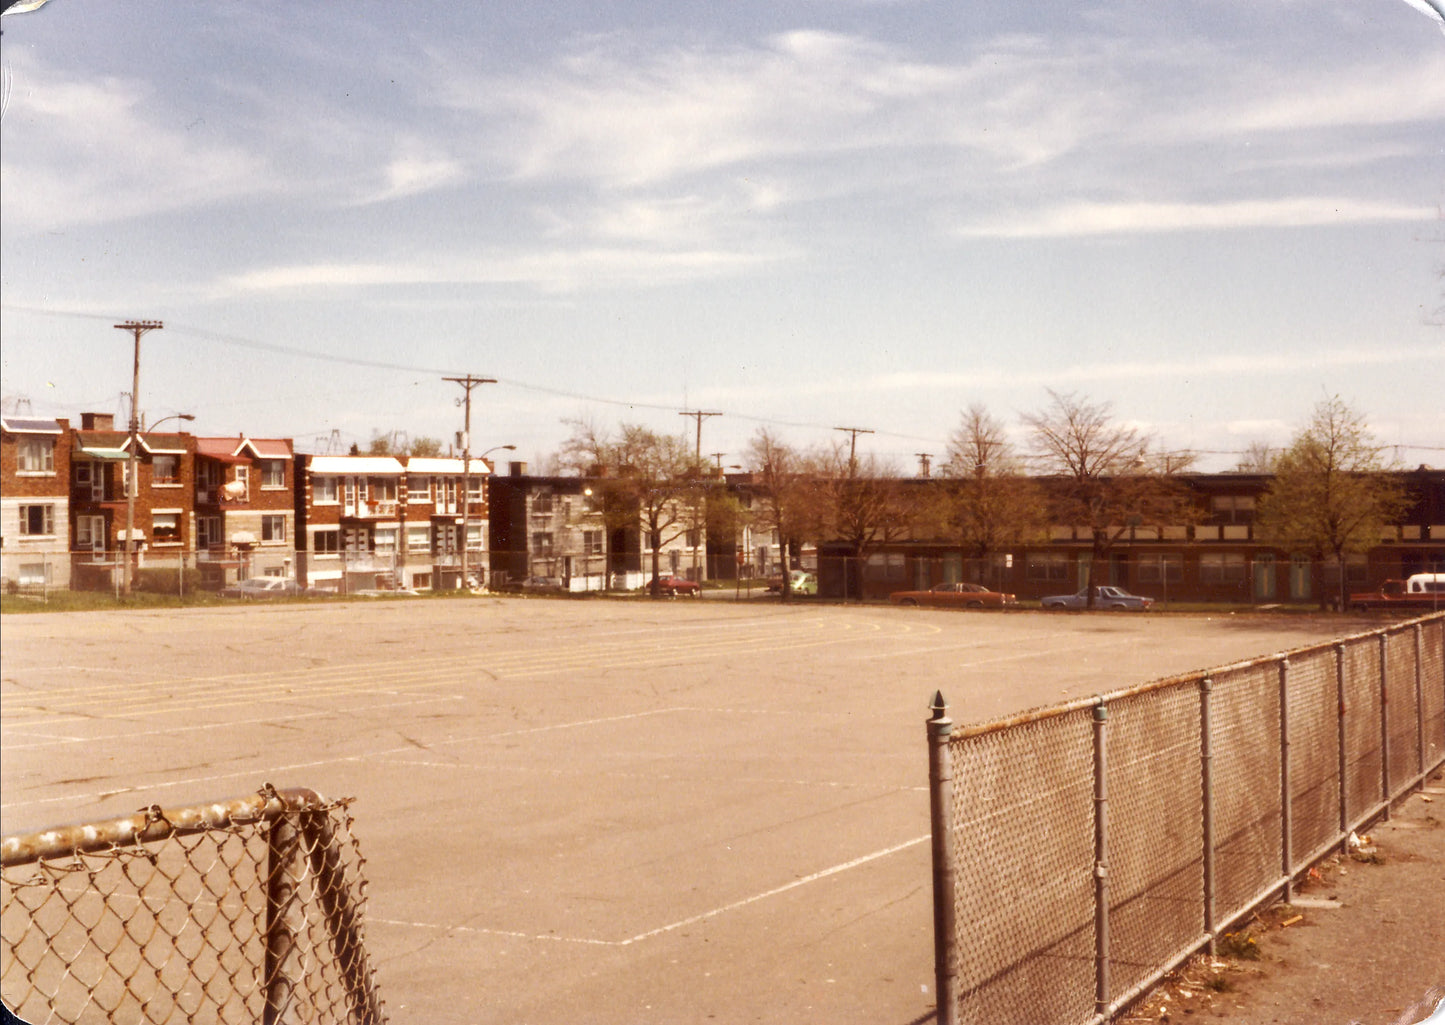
<point>474,537</point>
<point>542,542</point>
<point>35,455</point>
<point>273,473</point>
<point>165,470</point>
<point>591,542</point>
<point>90,533</point>
<point>165,527</point>
<point>323,490</point>
<point>273,527</point>
<point>477,489</point>
<point>34,573</point>
<point>418,539</point>
<point>384,540</point>
<point>383,490</point>
<point>37,520</point>
<point>326,541</point>
<point>418,488</point>
<point>243,478</point>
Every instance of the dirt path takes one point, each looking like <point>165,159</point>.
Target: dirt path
<point>1362,944</point>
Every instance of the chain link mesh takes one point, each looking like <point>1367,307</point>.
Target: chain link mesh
<point>1024,898</point>
<point>1155,868</point>
<point>1024,822</point>
<point>1314,729</point>
<point>245,911</point>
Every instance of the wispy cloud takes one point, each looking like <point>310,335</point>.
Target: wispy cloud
<point>1081,219</point>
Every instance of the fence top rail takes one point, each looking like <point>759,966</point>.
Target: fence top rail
<point>156,823</point>
<point>1194,676</point>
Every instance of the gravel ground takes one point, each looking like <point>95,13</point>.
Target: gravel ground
<point>1363,943</point>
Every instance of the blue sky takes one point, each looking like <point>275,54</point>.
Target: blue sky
<point>802,215</point>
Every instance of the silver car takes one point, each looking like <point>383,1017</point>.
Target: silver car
<point>1105,597</point>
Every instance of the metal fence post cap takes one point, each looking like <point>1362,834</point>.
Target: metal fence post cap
<point>1101,712</point>
<point>939,723</point>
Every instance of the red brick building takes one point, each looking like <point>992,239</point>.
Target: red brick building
<point>34,502</point>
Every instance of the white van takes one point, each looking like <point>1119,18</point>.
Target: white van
<point>1425,583</point>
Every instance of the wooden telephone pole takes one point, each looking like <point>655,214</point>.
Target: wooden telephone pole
<point>468,383</point>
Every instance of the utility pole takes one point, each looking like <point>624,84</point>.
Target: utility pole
<point>698,415</point>
<point>853,447</point>
<point>468,383</point>
<point>137,328</point>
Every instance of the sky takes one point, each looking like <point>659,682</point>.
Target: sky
<point>798,216</point>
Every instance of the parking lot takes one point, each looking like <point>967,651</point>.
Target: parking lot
<point>599,811</point>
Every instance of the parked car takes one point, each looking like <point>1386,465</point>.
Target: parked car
<point>262,587</point>
<point>1419,591</point>
<point>1105,597</point>
<point>670,587</point>
<point>954,596</point>
<point>800,582</point>
<point>530,585</point>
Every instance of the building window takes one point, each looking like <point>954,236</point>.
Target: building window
<point>1047,566</point>
<point>34,573</point>
<point>542,503</point>
<point>542,542</point>
<point>383,490</point>
<point>208,531</point>
<point>1221,568</point>
<point>1160,569</point>
<point>474,537</point>
<point>1233,508</point>
<point>37,520</point>
<point>591,542</point>
<point>273,473</point>
<point>243,482</point>
<point>273,528</point>
<point>165,527</point>
<point>884,566</point>
<point>90,533</point>
<point>36,455</point>
<point>418,539</point>
<point>385,539</point>
<point>323,490</point>
<point>418,488</point>
<point>165,470</point>
<point>326,542</point>
<point>477,489</point>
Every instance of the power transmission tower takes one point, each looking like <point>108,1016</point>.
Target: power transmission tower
<point>468,383</point>
<point>137,328</point>
<point>924,468</point>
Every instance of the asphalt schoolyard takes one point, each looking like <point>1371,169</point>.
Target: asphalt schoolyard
<point>584,811</point>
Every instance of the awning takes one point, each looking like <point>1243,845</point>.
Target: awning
<point>135,535</point>
<point>105,455</point>
<point>243,537</point>
<point>354,466</point>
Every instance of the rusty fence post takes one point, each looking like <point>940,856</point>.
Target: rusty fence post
<point>1342,722</point>
<point>1101,861</point>
<point>1385,722</point>
<point>282,848</point>
<point>1206,788</point>
<point>945,927</point>
<point>341,916</point>
<point>1286,807</point>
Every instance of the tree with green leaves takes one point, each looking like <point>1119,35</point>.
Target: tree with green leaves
<point>1331,495</point>
<point>1109,482</point>
<point>862,503</point>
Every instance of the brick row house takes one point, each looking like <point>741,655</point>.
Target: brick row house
<point>34,502</point>
<point>244,511</point>
<point>383,522</point>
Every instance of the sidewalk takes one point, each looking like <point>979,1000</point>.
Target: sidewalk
<point>1363,942</point>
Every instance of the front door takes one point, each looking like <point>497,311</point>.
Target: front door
<point>1299,578</point>
<point>1264,577</point>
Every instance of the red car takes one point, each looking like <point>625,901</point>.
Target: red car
<point>670,587</point>
<point>954,596</point>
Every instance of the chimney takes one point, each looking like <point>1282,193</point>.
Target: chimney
<point>97,421</point>
<point>516,469</point>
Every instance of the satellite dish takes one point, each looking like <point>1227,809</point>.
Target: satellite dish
<point>235,490</point>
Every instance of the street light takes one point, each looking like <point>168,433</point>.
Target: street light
<point>175,416</point>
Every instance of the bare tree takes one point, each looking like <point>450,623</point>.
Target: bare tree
<point>787,500</point>
<point>1110,483</point>
<point>862,504</point>
<point>1331,495</point>
<point>1257,457</point>
<point>988,502</point>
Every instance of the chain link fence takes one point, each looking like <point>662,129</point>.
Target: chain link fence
<point>247,910</point>
<point>1083,851</point>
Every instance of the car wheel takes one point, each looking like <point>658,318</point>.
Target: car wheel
<point>909,602</point>
<point>975,604</point>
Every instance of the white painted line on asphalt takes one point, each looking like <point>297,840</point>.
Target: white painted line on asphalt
<point>672,926</point>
